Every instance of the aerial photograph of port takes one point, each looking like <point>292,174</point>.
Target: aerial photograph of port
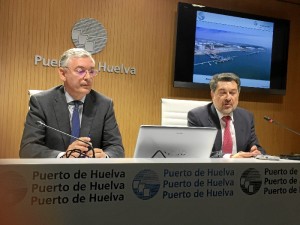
<point>232,44</point>
<point>215,56</point>
<point>213,51</point>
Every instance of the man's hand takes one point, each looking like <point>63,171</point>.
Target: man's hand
<point>79,146</point>
<point>253,152</point>
<point>98,153</point>
<point>83,148</point>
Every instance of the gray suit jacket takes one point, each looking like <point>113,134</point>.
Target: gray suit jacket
<point>50,107</point>
<point>206,116</point>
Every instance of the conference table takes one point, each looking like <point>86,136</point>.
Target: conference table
<point>149,191</point>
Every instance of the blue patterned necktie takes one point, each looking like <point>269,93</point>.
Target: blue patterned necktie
<point>75,120</point>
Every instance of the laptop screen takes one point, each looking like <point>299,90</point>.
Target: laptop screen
<point>174,142</point>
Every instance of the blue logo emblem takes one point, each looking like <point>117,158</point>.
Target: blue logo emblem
<point>146,184</point>
<point>250,181</point>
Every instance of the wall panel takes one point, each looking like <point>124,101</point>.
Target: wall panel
<point>141,34</point>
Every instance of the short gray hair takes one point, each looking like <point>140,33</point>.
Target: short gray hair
<point>224,77</point>
<point>73,53</point>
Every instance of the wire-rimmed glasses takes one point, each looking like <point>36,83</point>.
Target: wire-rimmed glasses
<point>82,71</point>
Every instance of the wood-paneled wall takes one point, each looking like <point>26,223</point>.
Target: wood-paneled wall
<point>141,34</point>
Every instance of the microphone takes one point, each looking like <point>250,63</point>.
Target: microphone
<point>281,125</point>
<point>40,123</point>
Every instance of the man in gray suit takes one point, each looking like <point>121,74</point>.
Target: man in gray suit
<point>54,107</point>
<point>225,89</point>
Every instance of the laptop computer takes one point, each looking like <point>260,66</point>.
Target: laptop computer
<point>174,142</point>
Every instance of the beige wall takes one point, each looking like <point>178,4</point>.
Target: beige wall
<point>140,34</point>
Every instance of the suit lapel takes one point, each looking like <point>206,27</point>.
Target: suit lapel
<point>214,120</point>
<point>239,130</point>
<point>88,114</point>
<point>62,115</point>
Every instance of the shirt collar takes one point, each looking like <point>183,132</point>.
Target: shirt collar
<point>220,115</point>
<point>69,98</point>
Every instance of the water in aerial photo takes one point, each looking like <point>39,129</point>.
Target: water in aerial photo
<point>247,61</point>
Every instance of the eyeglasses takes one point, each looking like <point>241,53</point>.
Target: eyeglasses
<point>76,153</point>
<point>82,72</point>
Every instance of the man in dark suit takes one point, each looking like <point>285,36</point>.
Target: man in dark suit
<point>54,107</point>
<point>243,143</point>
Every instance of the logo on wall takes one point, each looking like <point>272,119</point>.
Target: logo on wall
<point>146,184</point>
<point>89,34</point>
<point>250,181</point>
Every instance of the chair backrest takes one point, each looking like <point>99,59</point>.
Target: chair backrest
<point>32,92</point>
<point>174,111</point>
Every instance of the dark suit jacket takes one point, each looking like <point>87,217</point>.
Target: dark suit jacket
<point>50,107</point>
<point>206,116</point>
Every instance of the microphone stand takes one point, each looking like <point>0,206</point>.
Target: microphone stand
<point>281,125</point>
<point>52,128</point>
<point>292,157</point>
